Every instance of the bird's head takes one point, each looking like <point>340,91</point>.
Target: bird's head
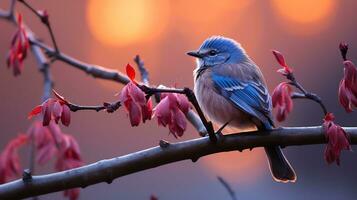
<point>218,50</point>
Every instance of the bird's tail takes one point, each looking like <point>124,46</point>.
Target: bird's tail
<point>280,167</point>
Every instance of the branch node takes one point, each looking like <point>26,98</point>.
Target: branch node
<point>195,159</point>
<point>164,144</point>
<point>27,176</point>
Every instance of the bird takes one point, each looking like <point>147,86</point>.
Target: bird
<point>231,90</point>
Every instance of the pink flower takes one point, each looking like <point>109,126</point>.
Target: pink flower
<point>44,142</point>
<point>19,47</point>
<point>134,100</point>
<point>171,111</point>
<point>69,157</point>
<point>347,93</point>
<point>286,70</point>
<point>72,194</point>
<point>56,109</point>
<point>281,98</point>
<point>153,197</point>
<point>9,158</point>
<point>337,140</point>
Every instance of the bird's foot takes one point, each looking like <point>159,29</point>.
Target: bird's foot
<point>219,131</point>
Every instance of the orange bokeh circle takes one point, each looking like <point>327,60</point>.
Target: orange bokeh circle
<point>304,16</point>
<point>120,22</point>
<point>246,167</point>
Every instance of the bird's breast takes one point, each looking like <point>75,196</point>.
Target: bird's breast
<point>216,107</point>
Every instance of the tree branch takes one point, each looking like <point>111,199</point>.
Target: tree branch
<point>110,169</point>
<point>94,70</point>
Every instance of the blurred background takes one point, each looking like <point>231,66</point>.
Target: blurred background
<point>111,32</point>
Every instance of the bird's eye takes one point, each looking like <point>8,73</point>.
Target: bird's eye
<point>212,52</point>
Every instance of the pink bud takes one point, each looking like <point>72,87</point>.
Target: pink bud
<point>286,70</point>
<point>281,98</point>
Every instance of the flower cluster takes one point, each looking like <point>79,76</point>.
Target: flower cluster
<point>69,157</point>
<point>44,141</point>
<point>171,111</point>
<point>337,140</point>
<point>53,109</point>
<point>50,142</point>
<point>281,96</point>
<point>9,158</point>
<point>19,47</point>
<point>134,100</point>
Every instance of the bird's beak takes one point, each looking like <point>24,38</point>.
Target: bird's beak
<point>194,54</point>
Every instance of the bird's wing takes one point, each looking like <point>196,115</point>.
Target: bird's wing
<point>249,96</point>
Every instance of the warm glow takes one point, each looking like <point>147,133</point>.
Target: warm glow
<point>304,11</point>
<point>245,166</point>
<point>120,22</point>
<point>209,15</point>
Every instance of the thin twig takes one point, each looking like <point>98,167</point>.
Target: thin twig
<point>142,69</point>
<point>109,107</point>
<point>227,187</point>
<point>145,75</point>
<point>310,96</point>
<point>304,93</point>
<point>45,21</point>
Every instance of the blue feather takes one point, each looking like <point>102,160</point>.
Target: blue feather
<point>250,97</point>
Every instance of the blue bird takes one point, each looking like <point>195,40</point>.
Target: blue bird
<point>230,88</point>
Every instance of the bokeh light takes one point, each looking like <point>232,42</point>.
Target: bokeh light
<point>120,22</point>
<point>212,17</point>
<point>245,167</point>
<point>304,14</point>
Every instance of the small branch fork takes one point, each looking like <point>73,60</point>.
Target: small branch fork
<point>304,93</point>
